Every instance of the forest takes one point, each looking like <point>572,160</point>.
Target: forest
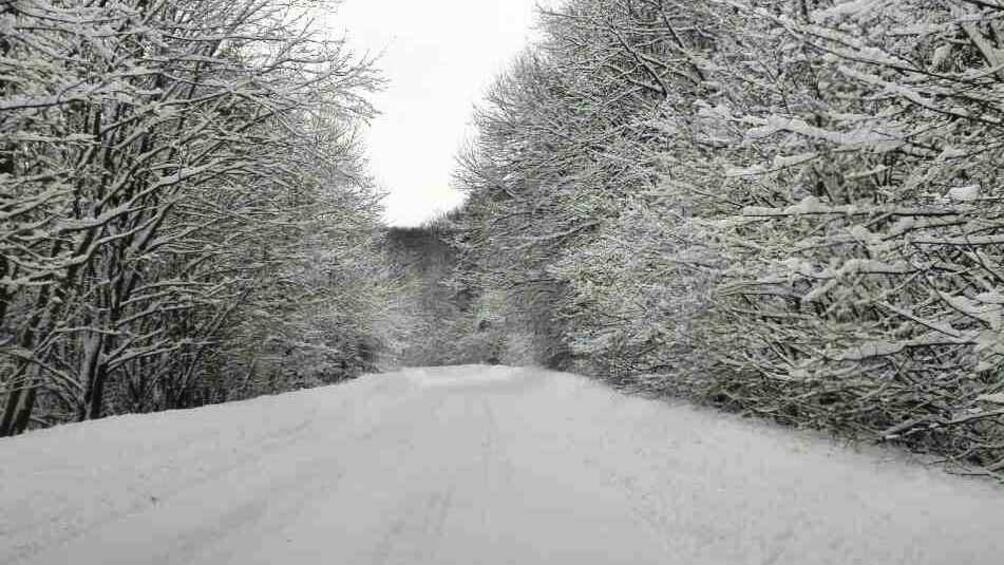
<point>785,208</point>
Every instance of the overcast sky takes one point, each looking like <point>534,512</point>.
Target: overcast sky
<point>439,56</point>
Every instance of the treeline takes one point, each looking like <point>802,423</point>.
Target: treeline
<point>185,215</point>
<point>791,208</point>
<point>439,321</point>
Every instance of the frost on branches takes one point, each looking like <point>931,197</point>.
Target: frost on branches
<point>183,206</point>
<point>791,208</point>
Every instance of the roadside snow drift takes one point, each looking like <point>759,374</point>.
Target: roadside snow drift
<point>475,465</point>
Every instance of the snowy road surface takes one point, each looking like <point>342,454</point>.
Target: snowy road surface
<point>474,465</point>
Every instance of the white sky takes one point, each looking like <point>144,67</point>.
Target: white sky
<point>439,56</point>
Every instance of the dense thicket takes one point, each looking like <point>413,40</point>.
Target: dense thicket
<point>430,313</point>
<point>791,207</point>
<point>184,211</point>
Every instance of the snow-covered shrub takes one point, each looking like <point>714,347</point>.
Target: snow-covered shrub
<point>866,292</point>
<point>640,297</point>
<point>793,206</point>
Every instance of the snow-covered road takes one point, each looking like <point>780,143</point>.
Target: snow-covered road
<point>475,465</point>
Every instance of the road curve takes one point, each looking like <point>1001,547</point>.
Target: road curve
<point>475,465</point>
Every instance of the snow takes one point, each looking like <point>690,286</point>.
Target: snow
<point>941,55</point>
<point>997,398</point>
<point>964,193</point>
<point>988,313</point>
<point>861,137</point>
<point>849,8</point>
<point>475,465</point>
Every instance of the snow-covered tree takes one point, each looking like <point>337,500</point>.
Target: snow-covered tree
<point>788,207</point>
<point>167,165</point>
